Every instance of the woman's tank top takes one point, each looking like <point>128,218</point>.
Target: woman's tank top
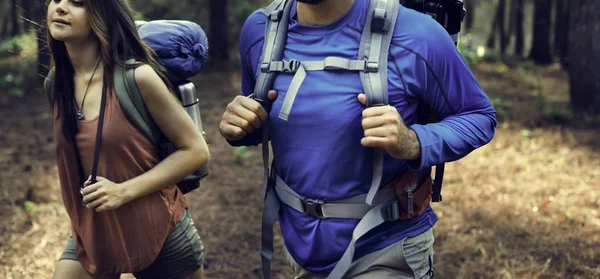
<point>129,238</point>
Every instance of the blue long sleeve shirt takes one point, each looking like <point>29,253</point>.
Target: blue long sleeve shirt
<point>318,153</point>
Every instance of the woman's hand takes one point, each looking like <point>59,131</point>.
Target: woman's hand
<point>104,195</point>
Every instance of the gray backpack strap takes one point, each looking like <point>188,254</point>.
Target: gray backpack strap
<point>274,42</point>
<point>131,101</point>
<point>48,87</point>
<point>278,14</point>
<point>374,48</point>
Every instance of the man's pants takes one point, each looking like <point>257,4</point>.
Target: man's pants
<point>409,258</point>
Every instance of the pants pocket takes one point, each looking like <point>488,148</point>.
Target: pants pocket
<point>418,253</point>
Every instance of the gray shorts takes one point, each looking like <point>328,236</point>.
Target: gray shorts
<point>181,255</point>
<point>409,258</point>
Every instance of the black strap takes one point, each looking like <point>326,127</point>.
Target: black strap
<point>437,183</point>
<point>98,136</point>
<point>97,145</point>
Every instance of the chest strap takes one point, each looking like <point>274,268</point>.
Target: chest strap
<point>299,69</point>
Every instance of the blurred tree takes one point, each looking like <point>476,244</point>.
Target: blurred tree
<point>519,9</point>
<point>218,35</point>
<point>542,19</point>
<point>560,30</point>
<point>470,5</point>
<point>584,57</point>
<point>498,28</point>
<point>14,16</point>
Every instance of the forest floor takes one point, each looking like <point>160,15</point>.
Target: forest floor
<point>527,205</point>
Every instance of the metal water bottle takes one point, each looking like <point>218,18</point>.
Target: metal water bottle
<point>189,99</point>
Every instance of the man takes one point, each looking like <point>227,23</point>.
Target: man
<point>323,149</point>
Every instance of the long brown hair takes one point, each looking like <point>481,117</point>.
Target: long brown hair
<point>119,41</point>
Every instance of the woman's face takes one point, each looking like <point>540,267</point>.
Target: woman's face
<point>68,20</point>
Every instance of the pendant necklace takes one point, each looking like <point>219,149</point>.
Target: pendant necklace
<point>80,114</point>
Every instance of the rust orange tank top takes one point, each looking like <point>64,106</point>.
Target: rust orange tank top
<point>129,238</point>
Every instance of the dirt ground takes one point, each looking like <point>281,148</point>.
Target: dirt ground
<point>527,205</point>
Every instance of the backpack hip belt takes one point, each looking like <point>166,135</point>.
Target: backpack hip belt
<point>350,208</point>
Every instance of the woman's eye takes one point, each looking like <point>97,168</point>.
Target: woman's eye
<point>78,3</point>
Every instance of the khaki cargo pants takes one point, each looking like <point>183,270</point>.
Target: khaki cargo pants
<point>409,258</point>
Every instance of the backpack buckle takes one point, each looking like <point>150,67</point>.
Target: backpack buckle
<point>312,207</point>
<point>290,65</point>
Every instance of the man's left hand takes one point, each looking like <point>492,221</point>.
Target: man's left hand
<point>384,128</point>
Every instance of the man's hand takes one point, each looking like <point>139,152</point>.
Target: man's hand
<point>242,116</point>
<point>103,195</point>
<point>385,129</point>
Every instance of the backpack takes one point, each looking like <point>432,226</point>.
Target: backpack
<point>181,47</point>
<point>406,196</point>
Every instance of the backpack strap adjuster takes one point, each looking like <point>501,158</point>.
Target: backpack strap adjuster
<point>276,15</point>
<point>312,207</point>
<point>393,211</point>
<point>371,66</point>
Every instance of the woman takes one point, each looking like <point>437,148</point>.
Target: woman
<point>133,219</point>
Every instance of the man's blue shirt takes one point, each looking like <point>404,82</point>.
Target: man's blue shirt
<point>318,153</point>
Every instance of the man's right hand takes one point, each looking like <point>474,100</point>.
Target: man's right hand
<point>242,116</point>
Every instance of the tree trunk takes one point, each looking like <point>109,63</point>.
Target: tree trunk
<point>501,26</point>
<point>218,40</point>
<point>541,49</point>
<point>5,25</point>
<point>491,40</point>
<point>498,26</point>
<point>560,29</point>
<point>14,14</point>
<point>584,57</point>
<point>519,32</point>
<point>470,16</point>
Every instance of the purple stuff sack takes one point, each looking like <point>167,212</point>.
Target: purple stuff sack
<point>181,46</point>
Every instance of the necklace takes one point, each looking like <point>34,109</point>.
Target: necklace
<point>80,114</point>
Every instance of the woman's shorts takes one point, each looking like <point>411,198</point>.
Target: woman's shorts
<point>181,255</point>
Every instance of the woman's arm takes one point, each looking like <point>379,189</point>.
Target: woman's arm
<point>178,127</point>
<point>191,154</point>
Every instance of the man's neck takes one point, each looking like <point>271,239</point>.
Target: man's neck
<point>84,56</point>
<point>326,12</point>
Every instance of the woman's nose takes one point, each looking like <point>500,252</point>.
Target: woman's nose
<point>61,7</point>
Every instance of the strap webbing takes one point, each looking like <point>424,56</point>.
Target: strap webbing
<point>276,33</point>
<point>371,220</point>
<point>352,208</point>
<point>376,45</point>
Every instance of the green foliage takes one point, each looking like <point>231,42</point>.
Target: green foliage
<point>559,115</point>
<point>29,206</point>
<point>501,105</point>
<point>472,52</point>
<point>240,153</point>
<point>526,134</point>
<point>16,75</point>
<point>24,45</point>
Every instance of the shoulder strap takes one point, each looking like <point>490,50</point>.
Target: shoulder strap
<point>374,50</point>
<point>278,14</point>
<point>131,100</point>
